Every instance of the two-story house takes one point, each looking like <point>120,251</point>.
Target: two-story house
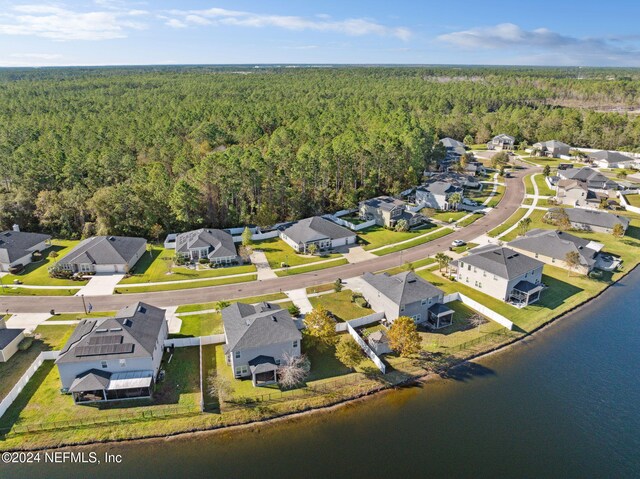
<point>116,358</point>
<point>406,294</point>
<point>454,148</point>
<point>501,142</point>
<point>257,337</point>
<point>501,273</point>
<point>552,148</point>
<point>215,245</point>
<point>437,194</point>
<point>385,210</point>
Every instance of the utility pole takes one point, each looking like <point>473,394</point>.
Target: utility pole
<point>84,305</point>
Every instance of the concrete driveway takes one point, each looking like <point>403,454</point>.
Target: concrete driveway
<point>102,284</point>
<point>259,259</point>
<point>27,321</point>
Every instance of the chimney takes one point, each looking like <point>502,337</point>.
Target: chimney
<point>16,228</point>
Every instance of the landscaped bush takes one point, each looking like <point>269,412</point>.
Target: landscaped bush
<point>36,256</point>
<point>16,269</point>
<point>25,343</point>
<point>180,261</point>
<point>60,273</point>
<point>204,261</point>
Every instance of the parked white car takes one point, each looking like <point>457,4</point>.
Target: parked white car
<point>457,243</point>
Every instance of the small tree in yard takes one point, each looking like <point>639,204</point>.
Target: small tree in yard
<point>618,230</point>
<point>468,140</point>
<point>312,249</point>
<point>155,231</point>
<point>547,171</point>
<point>320,328</point>
<point>621,174</point>
<point>502,171</point>
<point>402,226</point>
<point>293,370</point>
<point>247,237</point>
<point>337,285</point>
<point>523,225</point>
<point>572,259</point>
<point>455,199</point>
<point>219,386</point>
<point>443,260</point>
<point>349,353</point>
<point>54,255</point>
<point>476,320</point>
<point>403,337</point>
<point>294,310</point>
<point>220,305</point>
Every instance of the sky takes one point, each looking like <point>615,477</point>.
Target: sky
<point>497,32</point>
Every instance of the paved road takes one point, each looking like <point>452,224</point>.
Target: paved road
<point>513,198</point>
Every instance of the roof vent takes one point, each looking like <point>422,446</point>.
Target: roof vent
<point>111,238</point>
<point>274,319</point>
<point>16,228</point>
<point>101,330</point>
<point>113,330</point>
<point>128,322</point>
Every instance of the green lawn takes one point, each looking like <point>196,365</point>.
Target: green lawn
<point>205,324</point>
<point>466,247</point>
<point>157,266</point>
<point>187,285</point>
<point>512,220</point>
<point>190,308</point>
<point>37,274</point>
<point>311,267</point>
<point>11,291</point>
<point>471,219</point>
<point>340,305</point>
<point>320,288</point>
<point>496,197</point>
<point>633,200</point>
<point>536,222</point>
<point>278,252</point>
<point>41,400</point>
<point>406,266</point>
<point>377,236</point>
<point>79,316</point>
<point>417,241</point>
<point>543,188</point>
<point>449,216</point>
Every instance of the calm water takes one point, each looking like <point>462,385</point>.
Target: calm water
<point>565,404</point>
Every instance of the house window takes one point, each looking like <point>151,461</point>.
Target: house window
<point>469,267</point>
<point>278,362</point>
<point>104,364</point>
<point>295,343</point>
<point>416,317</point>
<point>242,370</point>
<point>123,363</point>
<point>536,255</point>
<point>237,354</point>
<point>495,278</point>
<point>423,302</point>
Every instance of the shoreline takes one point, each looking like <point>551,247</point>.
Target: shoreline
<point>341,403</point>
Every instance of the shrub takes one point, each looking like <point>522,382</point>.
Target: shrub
<point>294,310</point>
<point>25,343</point>
<point>204,261</point>
<point>16,269</point>
<point>36,256</point>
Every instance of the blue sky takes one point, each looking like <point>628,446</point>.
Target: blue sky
<point>117,32</point>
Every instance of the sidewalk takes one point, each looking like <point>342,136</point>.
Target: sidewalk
<point>101,285</point>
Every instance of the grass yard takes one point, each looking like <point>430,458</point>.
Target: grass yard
<point>320,288</point>
<point>464,248</point>
<point>536,222</point>
<point>191,308</point>
<point>512,220</point>
<point>278,252</point>
<point>79,316</point>
<point>37,274</point>
<point>543,188</point>
<point>496,197</point>
<point>157,266</point>
<point>41,400</point>
<point>633,200</point>
<point>377,236</point>
<point>187,285</point>
<point>407,266</point>
<point>449,216</point>
<point>11,291</point>
<point>205,324</point>
<point>417,241</point>
<point>340,305</point>
<point>471,219</point>
<point>311,267</point>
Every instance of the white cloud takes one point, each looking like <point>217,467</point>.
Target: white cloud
<point>59,23</point>
<point>322,23</point>
<point>543,46</point>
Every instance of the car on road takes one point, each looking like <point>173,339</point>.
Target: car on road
<point>456,243</point>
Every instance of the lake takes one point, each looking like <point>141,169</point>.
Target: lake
<point>562,404</point>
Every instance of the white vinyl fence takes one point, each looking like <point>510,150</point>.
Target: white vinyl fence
<point>483,310</point>
<point>628,207</point>
<point>188,342</point>
<point>22,382</point>
<point>365,347</point>
<point>258,236</point>
<point>363,321</point>
<point>349,224</point>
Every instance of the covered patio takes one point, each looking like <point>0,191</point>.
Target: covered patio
<point>100,386</point>
<point>264,371</point>
<point>440,316</point>
<point>525,293</point>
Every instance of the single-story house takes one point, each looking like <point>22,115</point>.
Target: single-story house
<point>319,231</point>
<point>117,358</point>
<point>552,247</point>
<point>593,220</point>
<point>215,245</point>
<point>257,337</point>
<point>572,192</point>
<point>611,159</point>
<point>104,254</point>
<point>437,194</point>
<point>379,342</point>
<point>501,142</point>
<point>502,273</point>
<point>17,247</point>
<point>593,179</point>
<point>406,294</point>
<point>9,340</point>
<point>552,148</point>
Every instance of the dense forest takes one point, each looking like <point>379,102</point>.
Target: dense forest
<point>141,151</point>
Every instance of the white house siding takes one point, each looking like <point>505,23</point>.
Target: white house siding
<point>289,241</point>
<point>381,304</point>
<point>11,348</point>
<point>69,371</point>
<point>549,260</point>
<point>491,284</point>
<point>438,202</point>
<point>343,241</point>
<point>276,351</point>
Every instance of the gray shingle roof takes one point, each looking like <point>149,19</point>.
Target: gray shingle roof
<point>92,380</point>
<point>262,364</point>
<point>402,288</point>
<point>16,244</point>
<point>501,261</point>
<point>551,144</point>
<point>451,143</point>
<point>386,203</point>
<point>105,250</point>
<point>7,336</point>
<point>609,156</point>
<point>219,242</point>
<point>441,188</point>
<point>556,244</point>
<point>596,218</point>
<point>252,326</point>
<point>593,178</point>
<point>316,228</point>
<point>132,333</point>
<point>503,137</point>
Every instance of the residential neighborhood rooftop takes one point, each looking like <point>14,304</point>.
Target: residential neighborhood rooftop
<point>16,244</point>
<point>386,203</point>
<point>597,218</point>
<point>105,250</point>
<point>402,288</point>
<point>219,241</point>
<point>501,261</point>
<point>557,244</point>
<point>316,228</point>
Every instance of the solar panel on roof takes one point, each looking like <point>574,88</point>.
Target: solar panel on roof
<point>111,339</point>
<point>104,349</point>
